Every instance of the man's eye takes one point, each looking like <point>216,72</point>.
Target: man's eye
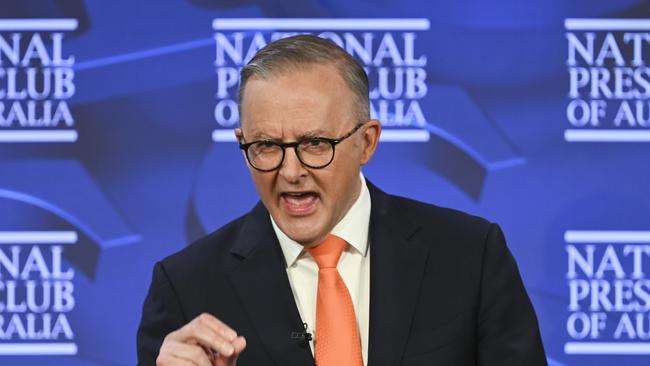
<point>265,147</point>
<point>315,142</point>
<point>315,145</point>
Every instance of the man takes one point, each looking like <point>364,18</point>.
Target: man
<point>328,269</point>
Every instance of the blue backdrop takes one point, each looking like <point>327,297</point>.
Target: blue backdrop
<point>116,150</point>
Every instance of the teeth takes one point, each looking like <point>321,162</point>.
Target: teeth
<point>299,202</point>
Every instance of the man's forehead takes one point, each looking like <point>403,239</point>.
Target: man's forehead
<point>271,135</point>
<point>283,130</point>
<point>309,102</point>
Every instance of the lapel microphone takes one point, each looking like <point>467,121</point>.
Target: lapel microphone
<point>302,335</point>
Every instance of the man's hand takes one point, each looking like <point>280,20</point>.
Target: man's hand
<point>205,341</point>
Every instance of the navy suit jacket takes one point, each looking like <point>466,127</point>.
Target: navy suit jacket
<point>444,290</point>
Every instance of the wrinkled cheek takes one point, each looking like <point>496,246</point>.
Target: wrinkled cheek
<point>265,189</point>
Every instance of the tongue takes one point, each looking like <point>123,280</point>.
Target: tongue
<point>300,202</point>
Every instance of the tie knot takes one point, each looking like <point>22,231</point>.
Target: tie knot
<point>327,253</point>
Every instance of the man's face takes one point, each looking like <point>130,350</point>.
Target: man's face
<point>313,101</point>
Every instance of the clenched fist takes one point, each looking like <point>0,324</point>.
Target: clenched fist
<point>205,341</point>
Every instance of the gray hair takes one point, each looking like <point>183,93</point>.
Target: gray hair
<point>296,51</point>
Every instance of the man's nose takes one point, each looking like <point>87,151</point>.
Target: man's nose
<point>292,169</point>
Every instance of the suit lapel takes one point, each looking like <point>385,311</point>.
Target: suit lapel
<point>261,283</point>
<point>397,263</point>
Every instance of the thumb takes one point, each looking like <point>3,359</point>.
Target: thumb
<point>239,344</point>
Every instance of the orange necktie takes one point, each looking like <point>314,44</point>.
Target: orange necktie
<point>337,334</point>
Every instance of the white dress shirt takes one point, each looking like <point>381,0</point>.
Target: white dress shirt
<point>354,267</point>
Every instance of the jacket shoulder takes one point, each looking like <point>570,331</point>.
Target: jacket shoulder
<point>443,219</point>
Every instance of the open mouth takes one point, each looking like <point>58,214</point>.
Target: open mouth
<point>300,203</point>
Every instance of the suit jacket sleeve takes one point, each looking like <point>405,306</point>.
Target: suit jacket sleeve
<point>508,333</point>
<point>161,315</point>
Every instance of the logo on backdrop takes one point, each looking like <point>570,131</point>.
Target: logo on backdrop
<point>36,293</point>
<point>36,81</point>
<point>609,292</point>
<point>387,48</point>
<point>609,80</point>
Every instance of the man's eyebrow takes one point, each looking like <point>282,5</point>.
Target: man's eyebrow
<point>309,134</point>
<point>313,133</point>
<point>263,136</point>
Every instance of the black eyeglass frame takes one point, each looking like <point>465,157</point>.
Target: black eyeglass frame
<point>295,144</point>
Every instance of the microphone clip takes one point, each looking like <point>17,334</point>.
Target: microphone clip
<point>303,335</point>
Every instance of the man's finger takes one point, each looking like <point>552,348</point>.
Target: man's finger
<point>208,335</point>
<point>239,344</point>
<point>191,354</point>
<point>199,332</point>
<point>169,360</point>
<point>217,325</point>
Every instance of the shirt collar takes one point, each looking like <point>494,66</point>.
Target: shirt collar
<point>353,228</point>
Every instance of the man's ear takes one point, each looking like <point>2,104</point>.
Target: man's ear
<point>238,134</point>
<point>369,139</point>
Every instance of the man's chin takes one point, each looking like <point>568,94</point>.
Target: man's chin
<point>301,237</point>
<point>303,234</point>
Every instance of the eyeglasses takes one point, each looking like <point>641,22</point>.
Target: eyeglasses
<point>313,152</point>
